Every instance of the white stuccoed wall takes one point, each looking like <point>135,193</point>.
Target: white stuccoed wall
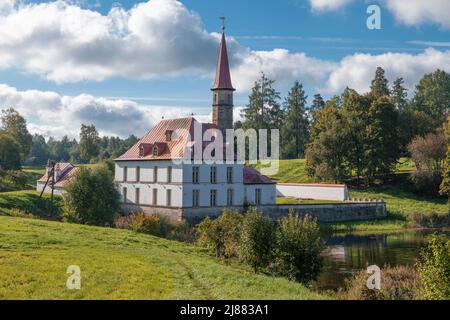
<point>313,191</point>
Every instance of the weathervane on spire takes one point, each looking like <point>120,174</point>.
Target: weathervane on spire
<point>223,24</point>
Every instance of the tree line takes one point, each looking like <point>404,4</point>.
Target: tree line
<point>19,147</point>
<point>353,135</point>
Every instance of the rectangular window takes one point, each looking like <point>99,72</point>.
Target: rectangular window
<point>169,175</point>
<point>137,196</point>
<point>258,196</point>
<point>138,174</point>
<point>196,198</point>
<point>213,175</point>
<point>155,174</point>
<point>124,192</point>
<point>230,175</point>
<point>230,197</point>
<point>196,175</point>
<point>169,198</point>
<point>213,198</point>
<point>125,174</point>
<point>155,197</point>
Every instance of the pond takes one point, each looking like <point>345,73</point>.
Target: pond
<point>349,253</point>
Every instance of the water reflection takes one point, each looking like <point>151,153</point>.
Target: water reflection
<point>349,253</point>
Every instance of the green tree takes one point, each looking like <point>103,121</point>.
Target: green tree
<point>434,269</point>
<point>445,185</point>
<point>325,154</point>
<point>89,145</point>
<point>380,85</point>
<point>317,105</point>
<point>413,123</point>
<point>91,197</point>
<point>294,132</point>
<point>257,240</point>
<point>39,151</point>
<point>399,95</point>
<point>16,126</point>
<point>9,153</point>
<point>263,110</point>
<point>432,95</point>
<point>383,149</point>
<point>299,248</point>
<point>354,112</point>
<point>221,235</point>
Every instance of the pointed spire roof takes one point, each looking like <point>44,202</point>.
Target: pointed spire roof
<point>223,77</point>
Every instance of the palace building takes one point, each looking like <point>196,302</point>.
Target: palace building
<point>152,177</point>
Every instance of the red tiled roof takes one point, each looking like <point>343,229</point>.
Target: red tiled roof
<point>223,77</point>
<point>252,176</point>
<point>67,171</point>
<point>182,128</point>
<point>312,184</point>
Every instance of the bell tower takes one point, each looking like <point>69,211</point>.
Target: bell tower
<point>223,89</point>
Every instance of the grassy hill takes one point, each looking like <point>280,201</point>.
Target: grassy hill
<point>119,264</point>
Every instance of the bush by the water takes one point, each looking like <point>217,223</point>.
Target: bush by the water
<point>298,248</point>
<point>434,269</point>
<point>221,235</point>
<point>91,197</point>
<point>397,283</point>
<point>257,240</point>
<point>431,220</point>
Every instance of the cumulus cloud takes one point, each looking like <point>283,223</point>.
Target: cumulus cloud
<point>328,5</point>
<point>51,114</point>
<point>357,71</point>
<point>65,43</point>
<point>416,12</point>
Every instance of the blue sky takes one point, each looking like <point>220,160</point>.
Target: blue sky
<point>324,43</point>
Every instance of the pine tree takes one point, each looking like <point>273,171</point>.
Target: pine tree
<point>294,132</point>
<point>399,95</point>
<point>380,85</point>
<point>263,110</point>
<point>317,105</point>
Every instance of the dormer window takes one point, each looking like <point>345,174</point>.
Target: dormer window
<point>169,135</point>
<point>144,149</point>
<point>155,151</point>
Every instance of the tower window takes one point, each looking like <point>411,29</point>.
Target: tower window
<point>169,174</point>
<point>230,175</point>
<point>169,198</point>
<point>155,197</point>
<point>258,197</point>
<point>125,174</point>
<point>124,192</point>
<point>137,196</point>
<point>155,174</point>
<point>138,174</point>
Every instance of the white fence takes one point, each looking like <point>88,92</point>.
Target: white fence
<point>333,192</point>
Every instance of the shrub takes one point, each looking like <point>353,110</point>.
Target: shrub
<point>434,269</point>
<point>15,212</point>
<point>298,248</point>
<point>257,240</point>
<point>397,283</point>
<point>221,235</point>
<point>155,225</point>
<point>426,182</point>
<point>91,197</point>
<point>431,220</point>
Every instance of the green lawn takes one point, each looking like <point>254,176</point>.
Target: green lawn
<point>25,200</point>
<point>120,264</point>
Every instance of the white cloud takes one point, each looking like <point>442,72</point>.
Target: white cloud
<point>417,12</point>
<point>328,5</point>
<point>357,71</point>
<point>51,114</point>
<point>6,6</point>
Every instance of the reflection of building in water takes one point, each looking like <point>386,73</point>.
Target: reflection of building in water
<point>336,253</point>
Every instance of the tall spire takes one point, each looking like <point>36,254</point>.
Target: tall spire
<point>223,77</point>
